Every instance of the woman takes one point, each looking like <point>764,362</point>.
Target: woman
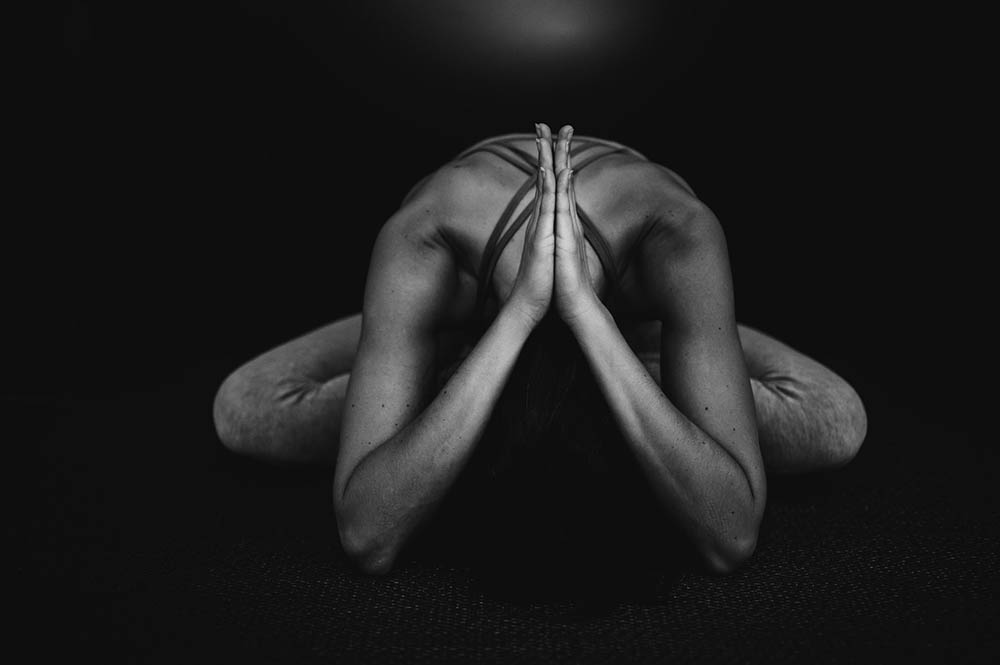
<point>613,276</point>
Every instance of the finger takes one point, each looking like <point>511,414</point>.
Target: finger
<point>548,203</point>
<point>577,226</point>
<point>536,205</point>
<point>569,149</point>
<point>539,182</point>
<point>544,151</point>
<point>562,148</point>
<point>545,207</point>
<point>546,131</point>
<point>546,136</point>
<point>565,233</point>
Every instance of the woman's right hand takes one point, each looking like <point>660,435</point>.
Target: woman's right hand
<point>531,294</point>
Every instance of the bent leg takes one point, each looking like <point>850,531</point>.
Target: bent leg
<point>286,404</point>
<point>808,418</point>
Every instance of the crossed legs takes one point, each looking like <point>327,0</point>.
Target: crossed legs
<point>286,405</point>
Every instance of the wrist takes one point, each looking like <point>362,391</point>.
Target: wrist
<point>587,315</point>
<point>515,318</point>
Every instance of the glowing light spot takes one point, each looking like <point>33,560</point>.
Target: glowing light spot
<point>522,32</point>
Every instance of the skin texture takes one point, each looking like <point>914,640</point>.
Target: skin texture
<point>735,402</point>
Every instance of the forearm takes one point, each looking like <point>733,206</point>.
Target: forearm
<point>696,479</point>
<point>398,485</point>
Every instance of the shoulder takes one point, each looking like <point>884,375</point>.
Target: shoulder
<point>677,219</point>
<point>422,243</point>
<point>459,186</point>
<point>415,244</point>
<point>652,192</point>
<point>446,194</point>
<point>682,242</point>
<point>456,204</point>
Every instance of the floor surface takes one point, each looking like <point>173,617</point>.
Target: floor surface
<point>150,543</point>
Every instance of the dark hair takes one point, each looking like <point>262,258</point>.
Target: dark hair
<point>550,449</point>
<point>552,469</point>
<point>536,421</point>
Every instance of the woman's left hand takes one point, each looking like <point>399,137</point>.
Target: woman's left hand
<point>573,292</point>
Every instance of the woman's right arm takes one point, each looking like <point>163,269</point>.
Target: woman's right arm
<point>399,450</point>
<point>401,447</point>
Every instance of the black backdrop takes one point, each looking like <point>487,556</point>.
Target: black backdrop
<point>213,176</point>
<point>204,180</point>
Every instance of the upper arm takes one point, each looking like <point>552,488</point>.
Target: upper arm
<point>412,277</point>
<point>684,269</point>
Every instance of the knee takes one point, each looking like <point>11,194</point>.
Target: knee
<point>847,426</point>
<point>227,410</point>
<point>238,415</point>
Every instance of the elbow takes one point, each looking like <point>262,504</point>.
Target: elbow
<point>366,553</point>
<point>364,546</point>
<point>729,554</point>
<point>733,545</point>
<point>374,562</point>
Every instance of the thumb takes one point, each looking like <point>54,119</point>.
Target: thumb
<point>565,231</point>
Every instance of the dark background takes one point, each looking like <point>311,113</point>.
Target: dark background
<point>205,180</point>
<point>217,173</point>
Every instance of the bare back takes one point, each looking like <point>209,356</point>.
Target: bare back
<point>622,194</point>
<point>295,402</point>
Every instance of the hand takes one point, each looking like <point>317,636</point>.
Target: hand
<point>532,290</point>
<point>573,290</point>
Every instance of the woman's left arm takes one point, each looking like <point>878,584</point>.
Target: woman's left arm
<point>696,438</point>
